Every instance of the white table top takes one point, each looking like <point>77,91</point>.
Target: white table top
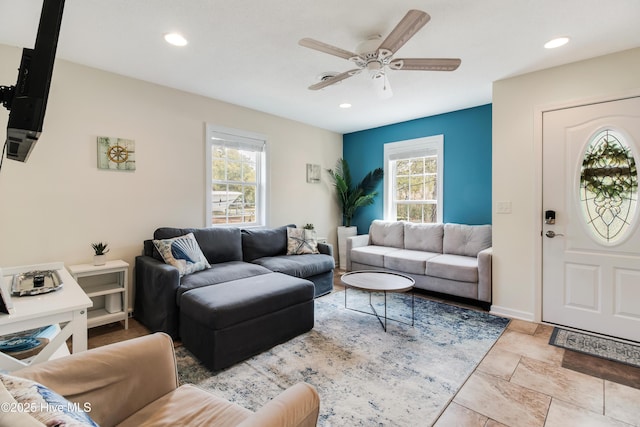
<point>104,268</point>
<point>70,298</point>
<point>373,280</point>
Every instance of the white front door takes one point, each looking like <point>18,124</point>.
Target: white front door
<point>591,250</point>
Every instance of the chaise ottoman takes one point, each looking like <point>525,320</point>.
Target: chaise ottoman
<point>225,323</point>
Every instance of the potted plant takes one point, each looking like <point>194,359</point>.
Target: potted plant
<point>351,198</point>
<point>100,250</point>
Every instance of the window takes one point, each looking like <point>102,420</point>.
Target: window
<point>236,184</point>
<point>413,180</point>
<point>609,187</point>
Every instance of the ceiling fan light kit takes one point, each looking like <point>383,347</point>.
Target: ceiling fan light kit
<point>377,57</point>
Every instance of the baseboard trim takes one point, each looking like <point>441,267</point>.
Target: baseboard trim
<point>514,314</point>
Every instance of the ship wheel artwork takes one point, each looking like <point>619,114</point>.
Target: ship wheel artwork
<point>118,154</point>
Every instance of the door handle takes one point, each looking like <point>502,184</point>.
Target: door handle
<point>551,234</point>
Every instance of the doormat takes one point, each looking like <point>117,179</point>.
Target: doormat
<point>604,348</point>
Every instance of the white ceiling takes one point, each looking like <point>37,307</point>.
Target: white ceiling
<point>246,52</point>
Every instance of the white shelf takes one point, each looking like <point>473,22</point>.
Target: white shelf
<point>106,285</point>
<point>97,290</point>
<point>90,269</point>
<point>101,317</point>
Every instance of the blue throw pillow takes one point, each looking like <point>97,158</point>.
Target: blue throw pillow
<point>182,252</point>
<point>45,405</point>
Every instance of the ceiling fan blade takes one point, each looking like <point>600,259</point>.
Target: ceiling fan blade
<point>326,48</point>
<point>425,64</point>
<point>406,28</point>
<point>335,79</point>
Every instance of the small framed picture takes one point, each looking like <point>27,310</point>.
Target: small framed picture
<point>313,173</point>
<point>116,153</point>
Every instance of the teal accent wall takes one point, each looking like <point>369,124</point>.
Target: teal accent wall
<point>467,162</point>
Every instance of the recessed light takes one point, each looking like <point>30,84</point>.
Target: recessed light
<point>345,105</point>
<point>557,42</point>
<point>175,39</point>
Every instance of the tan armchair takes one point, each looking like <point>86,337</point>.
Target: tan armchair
<point>135,383</point>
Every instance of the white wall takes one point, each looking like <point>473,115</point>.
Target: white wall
<point>56,204</point>
<point>517,165</point>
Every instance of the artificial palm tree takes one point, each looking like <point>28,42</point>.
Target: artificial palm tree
<point>353,197</point>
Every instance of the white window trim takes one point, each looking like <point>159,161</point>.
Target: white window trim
<point>241,136</point>
<point>418,147</point>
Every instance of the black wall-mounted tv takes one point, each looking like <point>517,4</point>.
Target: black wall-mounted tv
<point>27,100</point>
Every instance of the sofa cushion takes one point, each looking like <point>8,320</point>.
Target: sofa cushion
<point>453,267</point>
<point>218,244</point>
<point>304,266</point>
<point>408,261</point>
<point>219,273</point>
<point>182,252</point>
<point>231,303</point>
<point>387,233</point>
<point>301,241</point>
<point>371,255</point>
<point>466,240</point>
<point>263,242</point>
<point>149,249</point>
<point>423,237</point>
<point>204,409</point>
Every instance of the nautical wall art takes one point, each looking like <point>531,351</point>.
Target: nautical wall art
<point>116,153</point>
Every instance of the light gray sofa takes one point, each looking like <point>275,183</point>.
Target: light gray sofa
<point>453,259</point>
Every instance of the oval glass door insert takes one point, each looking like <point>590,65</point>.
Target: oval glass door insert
<point>608,186</point>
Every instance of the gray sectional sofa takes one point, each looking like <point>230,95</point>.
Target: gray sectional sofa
<point>252,297</point>
<point>453,259</point>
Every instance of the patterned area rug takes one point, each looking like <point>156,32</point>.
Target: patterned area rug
<point>596,346</point>
<point>365,377</point>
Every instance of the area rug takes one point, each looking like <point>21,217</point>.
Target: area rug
<point>592,345</point>
<point>364,376</point>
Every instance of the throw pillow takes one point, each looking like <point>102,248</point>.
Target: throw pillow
<point>12,414</point>
<point>301,241</point>
<point>182,252</point>
<point>45,405</point>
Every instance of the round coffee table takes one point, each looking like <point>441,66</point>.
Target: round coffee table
<point>379,281</point>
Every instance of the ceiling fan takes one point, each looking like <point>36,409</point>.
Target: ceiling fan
<point>378,58</point>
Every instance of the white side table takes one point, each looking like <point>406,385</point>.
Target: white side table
<point>106,285</point>
<point>67,306</point>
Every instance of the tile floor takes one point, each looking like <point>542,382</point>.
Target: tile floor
<point>520,382</point>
